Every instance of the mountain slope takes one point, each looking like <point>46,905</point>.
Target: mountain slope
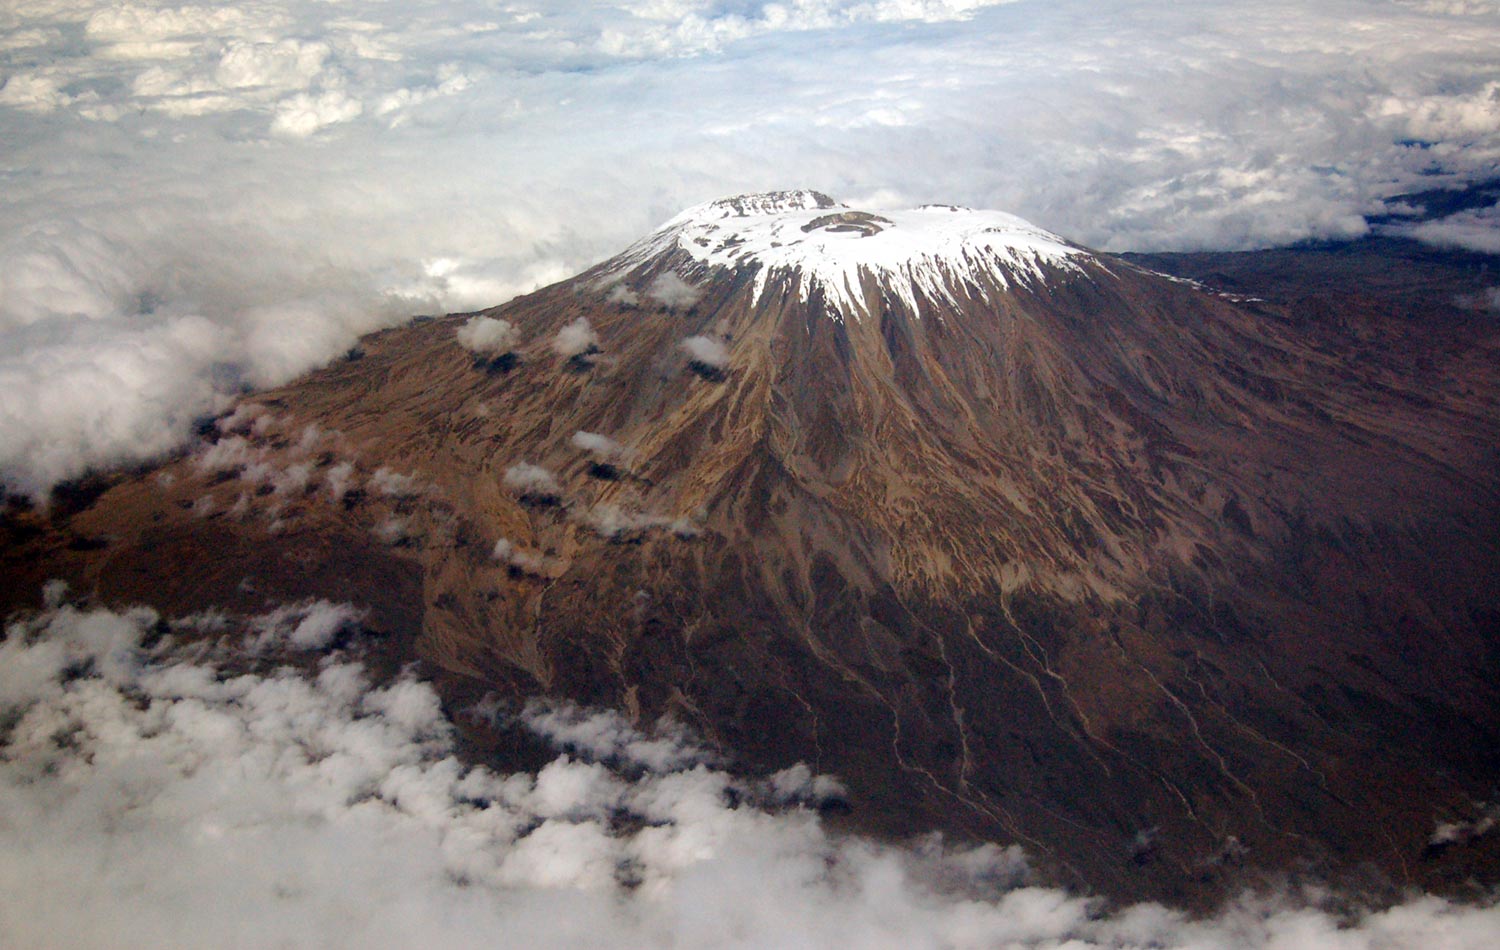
<point>1019,540</point>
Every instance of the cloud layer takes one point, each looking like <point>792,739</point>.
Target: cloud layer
<point>198,197</point>
<point>147,798</point>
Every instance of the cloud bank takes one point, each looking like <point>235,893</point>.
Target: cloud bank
<point>151,799</point>
<point>197,197</point>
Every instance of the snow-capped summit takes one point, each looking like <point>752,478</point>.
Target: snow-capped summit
<point>820,245</point>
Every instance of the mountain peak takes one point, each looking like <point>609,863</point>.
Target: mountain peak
<point>807,242</point>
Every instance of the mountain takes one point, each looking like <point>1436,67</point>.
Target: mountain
<point>1021,541</point>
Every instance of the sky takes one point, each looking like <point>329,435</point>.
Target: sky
<point>154,794</point>
<point>196,198</point>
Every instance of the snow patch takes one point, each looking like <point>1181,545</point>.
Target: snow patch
<point>817,246</point>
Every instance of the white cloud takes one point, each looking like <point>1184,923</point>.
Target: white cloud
<point>707,351</point>
<point>615,521</point>
<point>392,530</point>
<point>33,92</point>
<point>532,481</point>
<point>1477,230</point>
<point>672,291</point>
<point>308,626</point>
<point>621,294</point>
<point>168,802</point>
<point>137,22</point>
<point>576,339</point>
<point>690,27</point>
<point>340,479</point>
<point>601,447</point>
<point>288,64</point>
<point>1443,116</point>
<point>394,484</point>
<point>487,335</point>
<point>99,395</point>
<point>303,114</point>
<point>524,560</point>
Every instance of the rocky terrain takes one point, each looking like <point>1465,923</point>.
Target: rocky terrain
<point>1174,582</point>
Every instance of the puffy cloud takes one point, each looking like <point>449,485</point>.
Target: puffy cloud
<point>393,531</point>
<point>523,560</point>
<point>308,626</point>
<point>394,484</point>
<point>340,479</point>
<point>166,801</point>
<point>33,92</point>
<point>672,291</point>
<point>614,521</point>
<point>606,736</point>
<point>1477,230</point>
<point>247,416</point>
<point>488,336</point>
<point>601,447</point>
<point>799,784</point>
<point>303,114</point>
<point>77,396</point>
<point>706,351</point>
<point>139,22</point>
<point>1461,832</point>
<point>689,27</point>
<point>621,294</point>
<point>576,339</point>
<point>289,64</point>
<point>532,481</point>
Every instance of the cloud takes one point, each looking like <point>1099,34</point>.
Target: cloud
<point>1448,833</point>
<point>601,447</point>
<point>33,92</point>
<point>621,294</point>
<point>672,291</point>
<point>533,482</point>
<point>706,351</point>
<point>303,114</point>
<point>605,736</point>
<point>1477,230</point>
<point>308,626</point>
<point>615,521</point>
<point>394,484</point>
<point>340,479</point>
<point>488,336</point>
<point>527,562</point>
<point>199,197</point>
<point>576,339</point>
<point>166,801</point>
<point>393,531</point>
<point>688,28</point>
